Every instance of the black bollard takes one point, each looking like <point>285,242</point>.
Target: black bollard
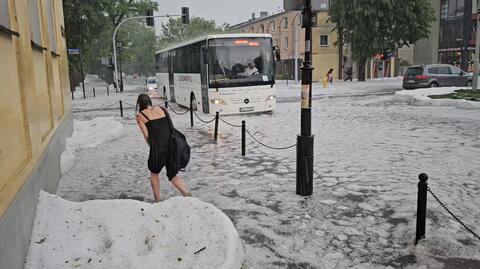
<point>215,135</point>
<point>73,98</point>
<point>243,137</point>
<point>421,206</point>
<point>121,109</point>
<point>93,92</point>
<point>166,103</point>
<point>191,114</point>
<point>108,92</point>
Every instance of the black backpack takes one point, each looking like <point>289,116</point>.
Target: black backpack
<point>179,148</point>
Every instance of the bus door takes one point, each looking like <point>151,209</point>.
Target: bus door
<point>170,77</point>
<point>204,78</point>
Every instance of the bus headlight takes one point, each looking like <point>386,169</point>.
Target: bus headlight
<point>217,101</point>
<point>270,98</point>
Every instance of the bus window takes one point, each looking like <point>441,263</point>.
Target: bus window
<point>240,62</point>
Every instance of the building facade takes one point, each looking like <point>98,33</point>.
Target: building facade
<point>452,37</point>
<point>35,117</point>
<point>288,34</point>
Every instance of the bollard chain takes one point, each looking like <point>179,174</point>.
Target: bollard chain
<point>178,113</point>
<point>231,124</point>
<point>453,215</point>
<point>270,147</point>
<point>204,121</point>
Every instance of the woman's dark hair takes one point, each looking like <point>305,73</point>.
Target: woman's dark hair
<point>143,101</point>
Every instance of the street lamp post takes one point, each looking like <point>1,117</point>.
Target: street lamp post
<point>476,54</point>
<point>185,19</point>
<point>119,47</point>
<point>305,139</point>
<point>296,30</point>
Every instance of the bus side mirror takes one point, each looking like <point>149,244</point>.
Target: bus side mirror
<point>204,55</point>
<point>276,52</point>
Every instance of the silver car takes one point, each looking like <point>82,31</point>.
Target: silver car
<point>435,75</point>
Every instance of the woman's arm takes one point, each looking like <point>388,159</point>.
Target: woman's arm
<point>143,128</point>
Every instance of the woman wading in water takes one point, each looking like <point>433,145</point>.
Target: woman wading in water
<point>155,127</point>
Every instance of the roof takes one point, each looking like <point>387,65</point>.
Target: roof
<point>242,24</point>
<point>207,37</point>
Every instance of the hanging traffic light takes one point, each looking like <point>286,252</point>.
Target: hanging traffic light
<point>149,20</point>
<point>185,15</point>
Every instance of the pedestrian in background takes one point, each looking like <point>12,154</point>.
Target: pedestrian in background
<point>330,76</point>
<point>349,73</point>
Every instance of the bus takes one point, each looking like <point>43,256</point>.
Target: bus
<point>225,73</point>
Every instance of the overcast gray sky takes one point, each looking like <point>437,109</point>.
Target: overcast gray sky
<point>229,11</point>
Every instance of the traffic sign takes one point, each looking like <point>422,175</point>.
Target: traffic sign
<point>73,51</point>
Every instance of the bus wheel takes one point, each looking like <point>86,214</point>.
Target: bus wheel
<point>193,102</point>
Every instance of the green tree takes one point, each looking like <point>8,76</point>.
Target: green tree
<point>174,31</point>
<point>89,25</point>
<point>380,26</point>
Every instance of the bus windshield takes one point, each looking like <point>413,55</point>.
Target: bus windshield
<point>235,62</point>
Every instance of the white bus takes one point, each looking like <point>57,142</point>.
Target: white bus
<point>228,73</point>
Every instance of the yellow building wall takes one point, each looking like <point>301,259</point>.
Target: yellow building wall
<point>12,135</point>
<point>34,87</point>
<point>324,58</point>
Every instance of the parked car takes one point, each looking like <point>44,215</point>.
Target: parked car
<point>435,75</point>
<point>151,87</point>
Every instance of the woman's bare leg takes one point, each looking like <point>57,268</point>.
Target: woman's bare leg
<point>155,182</point>
<point>180,185</point>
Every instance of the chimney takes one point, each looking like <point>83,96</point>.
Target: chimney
<point>253,15</point>
<point>263,14</point>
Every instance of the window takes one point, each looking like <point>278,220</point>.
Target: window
<point>444,70</point>
<point>323,40</point>
<point>433,70</point>
<point>276,42</point>
<point>34,22</point>
<point>444,9</point>
<point>4,14</point>
<point>455,71</point>
<point>271,26</point>
<point>51,26</point>
<point>285,23</point>
<point>285,42</point>
<point>261,29</point>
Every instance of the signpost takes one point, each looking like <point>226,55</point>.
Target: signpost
<point>77,52</point>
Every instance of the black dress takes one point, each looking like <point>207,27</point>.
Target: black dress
<point>159,140</point>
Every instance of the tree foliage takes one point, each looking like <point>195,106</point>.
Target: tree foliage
<point>89,25</point>
<point>380,26</point>
<point>174,31</point>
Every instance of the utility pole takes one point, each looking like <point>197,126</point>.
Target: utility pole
<point>305,139</point>
<point>477,52</point>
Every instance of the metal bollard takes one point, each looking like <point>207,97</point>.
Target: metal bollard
<point>108,92</point>
<point>191,114</point>
<point>166,103</point>
<point>93,92</point>
<point>243,137</point>
<point>121,109</point>
<point>215,135</point>
<point>421,207</point>
<point>73,98</point>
